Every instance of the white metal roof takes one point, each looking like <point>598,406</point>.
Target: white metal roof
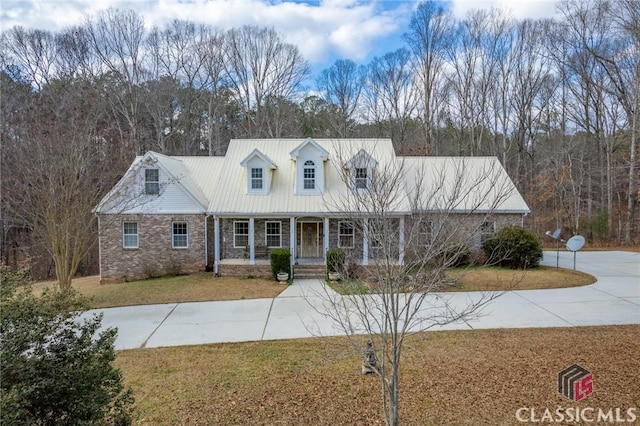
<point>218,185</point>
<point>461,184</point>
<point>230,196</point>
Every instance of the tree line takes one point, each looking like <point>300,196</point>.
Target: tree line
<point>555,100</point>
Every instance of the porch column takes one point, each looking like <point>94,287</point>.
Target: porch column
<point>216,245</point>
<point>292,240</point>
<point>252,246</point>
<point>401,241</point>
<point>365,242</point>
<point>325,231</point>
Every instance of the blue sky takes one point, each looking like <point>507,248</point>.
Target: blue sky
<point>323,30</point>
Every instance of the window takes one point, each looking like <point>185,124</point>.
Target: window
<point>376,233</point>
<point>273,234</point>
<point>361,178</point>
<point>179,236</point>
<point>130,235</point>
<point>345,234</point>
<point>426,233</point>
<point>487,230</point>
<point>151,181</point>
<point>309,175</point>
<point>240,234</point>
<point>256,178</point>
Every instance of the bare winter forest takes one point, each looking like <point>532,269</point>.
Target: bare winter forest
<point>555,100</point>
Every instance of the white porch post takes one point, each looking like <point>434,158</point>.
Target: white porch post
<point>325,231</point>
<point>292,240</point>
<point>401,241</point>
<point>252,246</point>
<point>216,245</point>
<point>365,242</point>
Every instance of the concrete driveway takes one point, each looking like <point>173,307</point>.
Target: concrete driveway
<point>296,312</point>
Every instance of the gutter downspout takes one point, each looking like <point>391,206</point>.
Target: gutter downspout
<point>206,242</point>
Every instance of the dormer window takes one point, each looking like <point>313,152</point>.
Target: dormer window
<point>151,181</point>
<point>361,178</point>
<point>360,169</point>
<point>260,169</point>
<point>309,159</point>
<point>309,175</point>
<point>257,178</point>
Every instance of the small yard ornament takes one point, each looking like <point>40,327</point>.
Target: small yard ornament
<point>369,361</point>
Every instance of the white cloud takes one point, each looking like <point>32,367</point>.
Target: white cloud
<point>322,29</point>
<point>519,9</point>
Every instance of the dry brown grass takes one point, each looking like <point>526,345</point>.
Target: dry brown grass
<point>183,288</point>
<point>477,377</point>
<point>494,278</point>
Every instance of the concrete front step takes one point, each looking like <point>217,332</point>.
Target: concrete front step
<point>309,271</point>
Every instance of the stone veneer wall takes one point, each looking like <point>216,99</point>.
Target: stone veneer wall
<point>154,255</point>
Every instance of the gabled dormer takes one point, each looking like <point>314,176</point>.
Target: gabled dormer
<point>309,157</point>
<point>259,172</point>
<point>360,169</point>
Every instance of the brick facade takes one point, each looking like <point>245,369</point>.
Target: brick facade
<point>155,255</point>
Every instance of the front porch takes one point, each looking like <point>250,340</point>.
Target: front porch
<point>243,245</point>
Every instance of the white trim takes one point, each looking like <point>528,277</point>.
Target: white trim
<point>216,245</point>
<point>401,241</point>
<point>340,235</point>
<point>236,234</point>
<point>266,233</point>
<point>365,242</point>
<point>173,234</point>
<point>325,230</point>
<point>252,241</point>
<point>137,234</point>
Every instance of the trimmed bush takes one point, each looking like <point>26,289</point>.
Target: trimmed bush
<point>280,261</point>
<point>335,260</point>
<point>514,247</point>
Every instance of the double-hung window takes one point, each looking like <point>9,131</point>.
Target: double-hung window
<point>130,235</point>
<point>345,234</point>
<point>179,235</point>
<point>487,231</point>
<point>361,178</point>
<point>240,234</point>
<point>257,181</point>
<point>309,175</point>
<point>151,181</point>
<point>426,233</point>
<point>273,234</point>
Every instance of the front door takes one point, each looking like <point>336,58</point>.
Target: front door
<point>309,240</point>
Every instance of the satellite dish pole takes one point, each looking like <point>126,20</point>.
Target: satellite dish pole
<point>574,244</point>
<point>556,236</point>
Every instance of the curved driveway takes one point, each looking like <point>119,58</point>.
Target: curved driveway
<point>613,299</point>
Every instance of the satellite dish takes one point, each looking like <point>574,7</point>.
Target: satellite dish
<point>575,243</point>
<point>556,233</point>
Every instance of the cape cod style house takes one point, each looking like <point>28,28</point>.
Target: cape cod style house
<point>180,214</point>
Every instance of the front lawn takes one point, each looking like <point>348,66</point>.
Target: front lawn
<point>493,278</point>
<point>476,377</point>
<point>183,288</point>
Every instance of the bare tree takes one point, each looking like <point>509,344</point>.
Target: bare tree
<point>392,94</point>
<point>341,85</point>
<point>429,36</point>
<point>261,67</point>
<point>406,258</point>
<point>57,165</point>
